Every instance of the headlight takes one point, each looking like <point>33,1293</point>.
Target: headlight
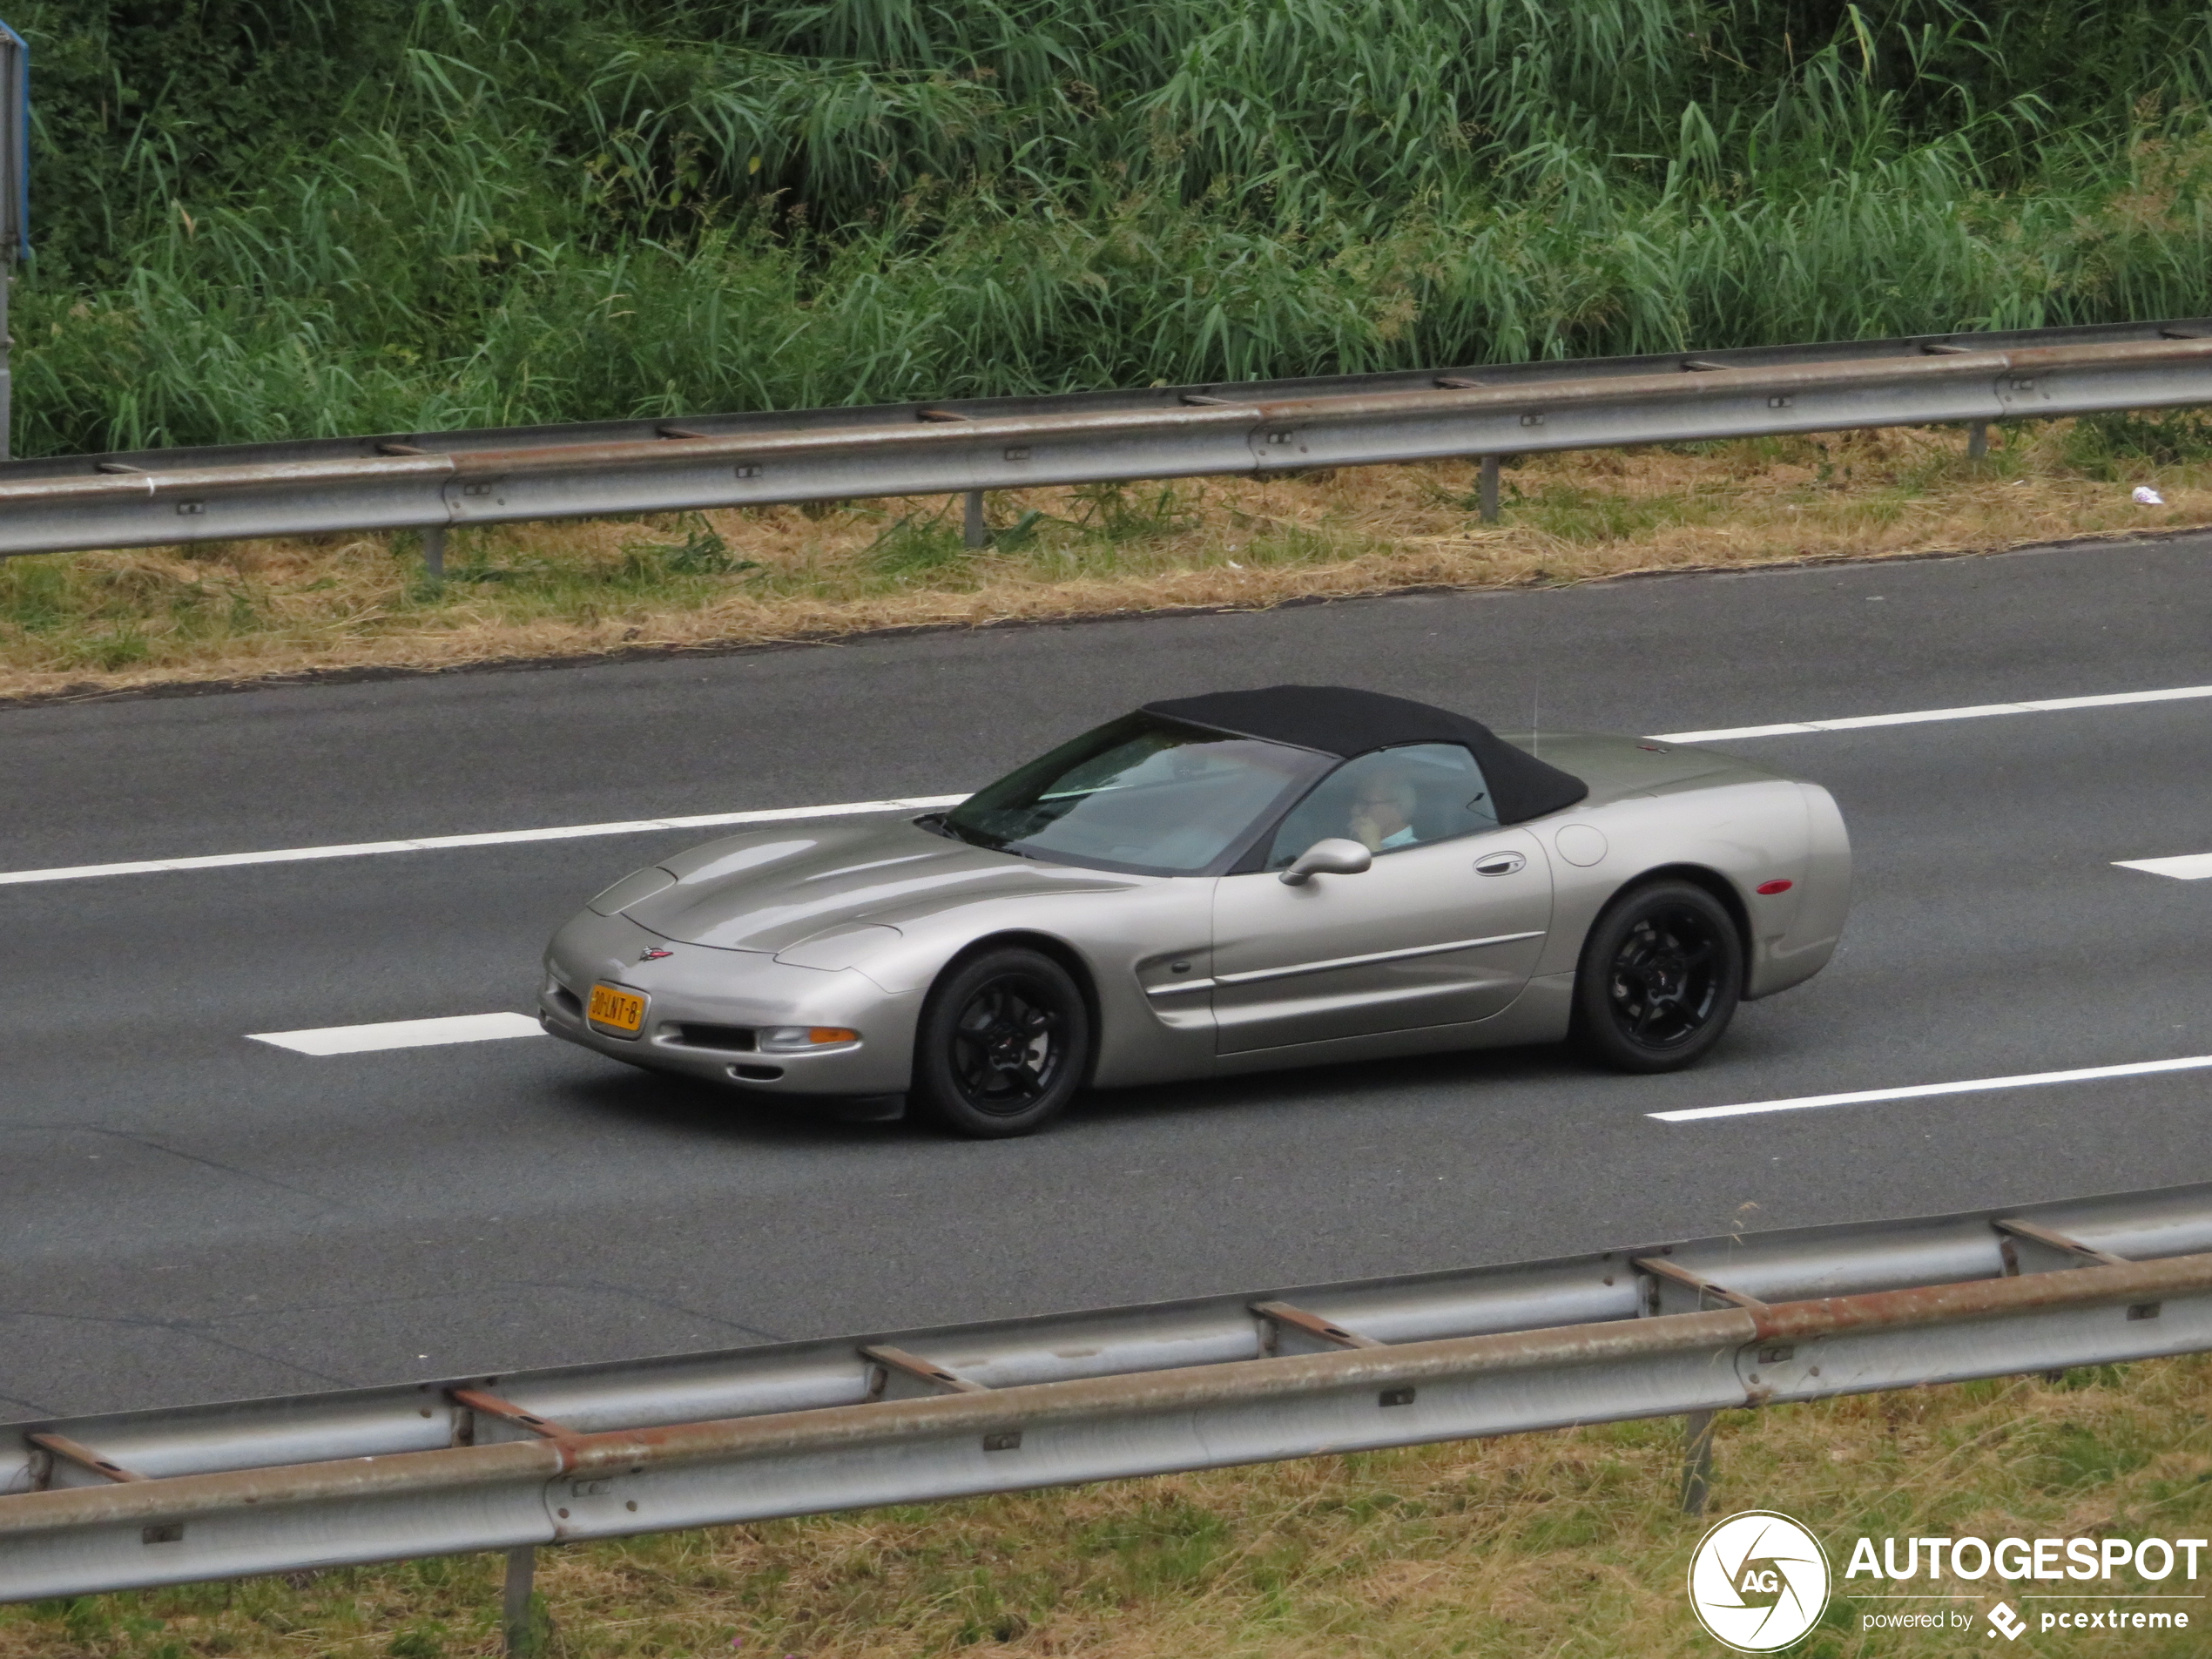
<point>803,1039</point>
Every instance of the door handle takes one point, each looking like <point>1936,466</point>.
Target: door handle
<point>1500,864</point>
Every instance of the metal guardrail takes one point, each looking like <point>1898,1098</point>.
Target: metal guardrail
<point>493,1462</point>
<point>430,482</point>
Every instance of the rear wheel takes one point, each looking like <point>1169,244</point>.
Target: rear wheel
<point>1661,974</point>
<point>1005,1040</point>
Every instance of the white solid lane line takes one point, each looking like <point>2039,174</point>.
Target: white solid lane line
<point>927,802</point>
<point>401,1033</point>
<point>1973,1085</point>
<point>1921,717</point>
<point>2192,866</point>
<point>496,838</point>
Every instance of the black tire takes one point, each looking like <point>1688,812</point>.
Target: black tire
<point>1661,974</point>
<point>1004,1044</point>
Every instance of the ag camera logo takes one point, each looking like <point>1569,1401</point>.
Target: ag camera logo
<point>1758,1582</point>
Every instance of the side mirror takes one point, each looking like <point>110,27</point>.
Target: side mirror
<point>1334,856</point>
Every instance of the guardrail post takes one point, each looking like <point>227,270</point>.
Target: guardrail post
<point>1977,439</point>
<point>434,552</point>
<point>973,531</point>
<point>1696,1462</point>
<point>1489,489</point>
<point>517,1613</point>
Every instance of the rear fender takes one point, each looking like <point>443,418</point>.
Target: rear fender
<point>1732,840</point>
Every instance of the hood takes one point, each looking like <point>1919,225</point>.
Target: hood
<point>767,890</point>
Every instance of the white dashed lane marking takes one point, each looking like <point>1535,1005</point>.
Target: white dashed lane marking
<point>493,838</point>
<point>1920,1091</point>
<point>2192,866</point>
<point>401,1033</point>
<point>1922,717</point>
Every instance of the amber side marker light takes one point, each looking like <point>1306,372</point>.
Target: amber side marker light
<point>798,1039</point>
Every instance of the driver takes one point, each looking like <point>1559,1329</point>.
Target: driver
<point>1382,814</point>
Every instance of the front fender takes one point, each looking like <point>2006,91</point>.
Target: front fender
<point>1120,941</point>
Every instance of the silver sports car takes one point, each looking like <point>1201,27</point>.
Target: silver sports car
<point>1214,885</point>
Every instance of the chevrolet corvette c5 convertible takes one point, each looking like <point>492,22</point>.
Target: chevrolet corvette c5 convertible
<point>1214,885</point>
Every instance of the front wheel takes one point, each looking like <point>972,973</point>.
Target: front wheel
<point>1005,1040</point>
<point>1660,977</point>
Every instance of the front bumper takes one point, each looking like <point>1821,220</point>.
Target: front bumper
<point>703,1005</point>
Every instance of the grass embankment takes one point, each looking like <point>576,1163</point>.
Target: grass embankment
<point>81,624</point>
<point>258,220</point>
<point>1563,1544</point>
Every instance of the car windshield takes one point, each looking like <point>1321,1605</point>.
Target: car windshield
<point>1141,794</point>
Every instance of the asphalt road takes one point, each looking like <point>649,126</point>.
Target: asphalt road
<point>186,1215</point>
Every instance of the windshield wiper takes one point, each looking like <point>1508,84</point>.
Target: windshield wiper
<point>941,824</point>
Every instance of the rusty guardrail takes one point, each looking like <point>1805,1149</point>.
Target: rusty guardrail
<point>431,482</point>
<point>513,1462</point>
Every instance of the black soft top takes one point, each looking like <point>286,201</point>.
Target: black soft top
<point>1339,720</point>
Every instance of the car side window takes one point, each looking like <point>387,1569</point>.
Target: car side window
<point>1390,799</point>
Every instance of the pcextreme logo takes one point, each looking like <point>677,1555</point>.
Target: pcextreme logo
<point>1758,1582</point>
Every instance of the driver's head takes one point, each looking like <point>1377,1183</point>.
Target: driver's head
<point>1384,804</point>
<point>1390,787</point>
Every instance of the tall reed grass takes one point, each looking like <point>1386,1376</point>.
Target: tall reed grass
<point>260,220</point>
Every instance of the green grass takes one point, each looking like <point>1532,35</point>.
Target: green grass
<point>702,552</point>
<point>2110,446</point>
<point>918,545</point>
<point>1580,513</point>
<point>258,220</point>
<point>99,616</point>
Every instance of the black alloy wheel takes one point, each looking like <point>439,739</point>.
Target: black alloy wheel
<point>1005,1042</point>
<point>1661,974</point>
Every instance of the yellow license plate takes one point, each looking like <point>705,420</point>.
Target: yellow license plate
<point>624,1011</point>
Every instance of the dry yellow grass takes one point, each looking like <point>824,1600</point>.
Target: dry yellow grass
<point>1562,1544</point>
<point>77,624</point>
